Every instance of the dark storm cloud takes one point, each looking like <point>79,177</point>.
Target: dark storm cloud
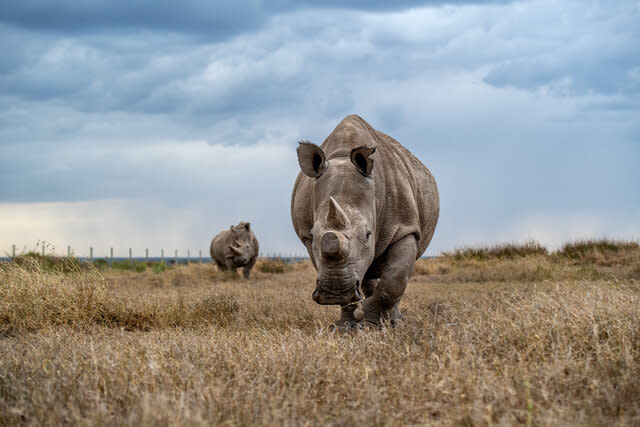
<point>215,20</point>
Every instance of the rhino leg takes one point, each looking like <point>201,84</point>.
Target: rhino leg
<point>220,266</point>
<point>397,267</point>
<point>368,286</point>
<point>247,268</point>
<point>346,321</point>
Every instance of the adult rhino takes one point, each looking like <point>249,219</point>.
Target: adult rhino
<point>366,209</point>
<point>234,248</point>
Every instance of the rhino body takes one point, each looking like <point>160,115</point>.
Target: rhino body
<point>365,209</point>
<point>234,248</point>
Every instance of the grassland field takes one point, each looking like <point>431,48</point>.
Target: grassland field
<point>507,335</point>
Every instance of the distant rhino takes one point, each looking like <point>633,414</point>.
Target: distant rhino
<point>234,248</point>
<point>366,209</point>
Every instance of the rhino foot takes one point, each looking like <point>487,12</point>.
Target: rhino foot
<point>362,315</point>
<point>395,315</point>
<point>391,317</point>
<point>347,320</point>
<point>344,325</point>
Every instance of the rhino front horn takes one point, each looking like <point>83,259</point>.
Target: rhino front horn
<point>336,218</point>
<point>333,245</point>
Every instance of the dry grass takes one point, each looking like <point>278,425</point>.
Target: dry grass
<point>505,250</point>
<point>535,339</point>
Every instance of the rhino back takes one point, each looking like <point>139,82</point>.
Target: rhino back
<point>408,201</point>
<point>220,245</point>
<point>254,245</point>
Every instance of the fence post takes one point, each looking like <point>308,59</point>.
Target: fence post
<point>68,251</point>
<point>13,251</point>
<point>175,259</point>
<point>146,254</point>
<point>111,255</point>
<point>200,258</point>
<point>161,255</point>
<point>188,256</point>
<point>130,257</point>
<point>42,248</point>
<point>91,254</point>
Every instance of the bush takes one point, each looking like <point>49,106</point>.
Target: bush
<point>129,266</point>
<point>602,252</point>
<point>100,263</point>
<point>501,251</point>
<point>159,267</point>
<point>50,262</point>
<point>272,266</point>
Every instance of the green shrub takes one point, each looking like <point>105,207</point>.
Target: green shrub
<point>159,267</point>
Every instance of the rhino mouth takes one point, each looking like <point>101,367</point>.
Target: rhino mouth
<point>330,294</point>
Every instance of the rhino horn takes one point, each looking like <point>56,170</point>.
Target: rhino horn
<point>236,250</point>
<point>336,218</point>
<point>333,245</point>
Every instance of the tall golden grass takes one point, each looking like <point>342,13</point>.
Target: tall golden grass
<point>531,339</point>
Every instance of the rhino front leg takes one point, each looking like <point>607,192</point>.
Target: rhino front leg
<point>247,268</point>
<point>368,286</point>
<point>347,319</point>
<point>228,264</point>
<point>396,269</point>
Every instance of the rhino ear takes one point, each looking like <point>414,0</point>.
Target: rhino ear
<point>311,159</point>
<point>247,226</point>
<point>360,158</point>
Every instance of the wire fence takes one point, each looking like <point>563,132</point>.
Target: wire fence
<point>174,257</point>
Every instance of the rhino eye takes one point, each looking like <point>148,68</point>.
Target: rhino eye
<point>368,234</point>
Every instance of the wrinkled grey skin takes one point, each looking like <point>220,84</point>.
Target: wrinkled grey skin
<point>366,209</point>
<point>234,248</point>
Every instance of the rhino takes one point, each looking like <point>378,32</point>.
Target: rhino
<point>365,208</point>
<point>234,248</point>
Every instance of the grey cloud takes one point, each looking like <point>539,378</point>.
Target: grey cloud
<point>155,73</point>
<point>605,74</point>
<point>596,50</point>
<point>213,20</point>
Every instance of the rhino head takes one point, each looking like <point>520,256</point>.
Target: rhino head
<point>241,243</point>
<point>342,240</point>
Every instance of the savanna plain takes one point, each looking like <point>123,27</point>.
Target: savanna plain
<point>512,334</point>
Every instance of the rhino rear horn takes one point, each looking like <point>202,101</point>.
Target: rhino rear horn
<point>336,218</point>
<point>311,159</point>
<point>360,158</point>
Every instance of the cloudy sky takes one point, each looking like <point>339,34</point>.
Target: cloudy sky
<point>159,123</point>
